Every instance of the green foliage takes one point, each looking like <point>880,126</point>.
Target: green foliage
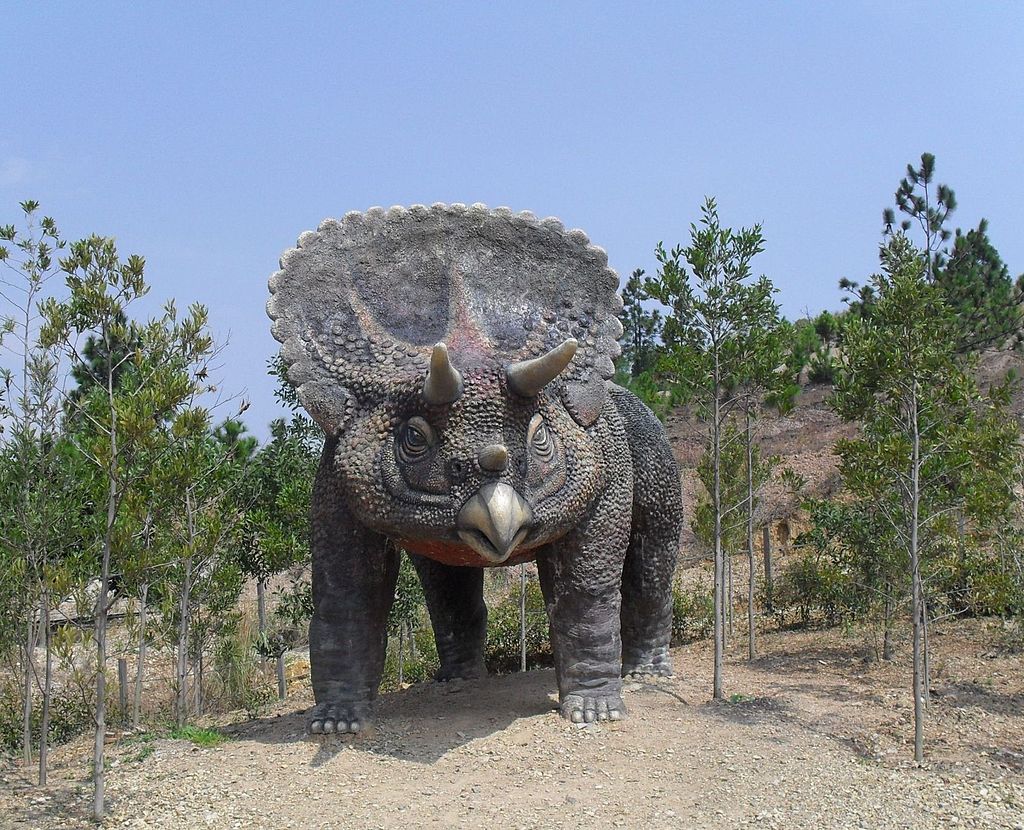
<point>902,379</point>
<point>410,604</point>
<point>986,303</point>
<point>239,682</point>
<point>692,614</point>
<point>70,716</point>
<point>714,315</point>
<point>200,736</point>
<point>811,587</point>
<point>501,652</point>
<point>852,566</point>
<point>978,287</point>
<point>274,535</point>
<point>641,328</point>
<point>294,608</point>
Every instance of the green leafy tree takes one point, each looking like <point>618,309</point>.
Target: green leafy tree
<point>41,500</point>
<point>713,310</point>
<point>930,444</point>
<point>275,534</point>
<point>121,425</point>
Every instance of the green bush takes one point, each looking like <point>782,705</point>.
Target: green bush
<point>70,716</point>
<point>501,652</point>
<point>693,614</point>
<point>813,588</point>
<point>822,367</point>
<point>976,583</point>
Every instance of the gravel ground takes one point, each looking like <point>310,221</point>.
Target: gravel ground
<point>813,738</point>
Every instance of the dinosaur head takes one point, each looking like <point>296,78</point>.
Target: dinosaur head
<point>475,467</point>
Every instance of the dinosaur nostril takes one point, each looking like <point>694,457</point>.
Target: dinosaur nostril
<point>493,458</point>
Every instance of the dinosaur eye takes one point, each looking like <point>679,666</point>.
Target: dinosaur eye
<point>417,439</point>
<point>540,439</point>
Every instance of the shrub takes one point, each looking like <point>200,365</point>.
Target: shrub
<point>501,651</point>
<point>70,716</point>
<point>240,682</point>
<point>198,735</point>
<point>693,614</point>
<point>813,587</point>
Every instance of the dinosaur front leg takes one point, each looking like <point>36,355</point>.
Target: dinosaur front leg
<point>354,573</point>
<point>580,576</point>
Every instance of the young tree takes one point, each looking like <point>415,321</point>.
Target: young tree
<point>209,483</point>
<point>641,327</point>
<point>713,308</point>
<point>121,427</point>
<point>38,522</point>
<point>930,443</point>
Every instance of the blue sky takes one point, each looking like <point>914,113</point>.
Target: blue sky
<point>208,136</point>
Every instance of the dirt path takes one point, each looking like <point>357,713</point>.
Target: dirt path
<point>816,740</point>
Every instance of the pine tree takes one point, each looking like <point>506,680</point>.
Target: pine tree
<point>930,443</point>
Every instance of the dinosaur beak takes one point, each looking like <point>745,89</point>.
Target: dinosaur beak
<point>494,522</point>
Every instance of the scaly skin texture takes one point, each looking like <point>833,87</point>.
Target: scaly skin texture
<point>508,444</point>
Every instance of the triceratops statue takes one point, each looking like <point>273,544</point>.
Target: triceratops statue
<point>459,361</point>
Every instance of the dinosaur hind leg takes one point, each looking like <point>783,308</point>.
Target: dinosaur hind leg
<point>646,615</point>
<point>455,600</point>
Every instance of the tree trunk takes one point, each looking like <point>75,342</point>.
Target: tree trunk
<point>122,690</point>
<point>198,685</point>
<point>716,497</point>
<point>927,651</point>
<point>102,610</point>
<point>261,615</point>
<point>282,687</point>
<point>181,706</point>
<point>29,668</point>
<point>728,595</point>
<point>917,598</point>
<point>44,726</point>
<point>887,624</point>
<point>522,617</point>
<point>769,588</point>
<point>751,644</point>
<point>103,604</point>
<point>184,610</point>
<point>140,664</point>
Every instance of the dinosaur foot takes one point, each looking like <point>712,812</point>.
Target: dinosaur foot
<point>467,670</point>
<point>586,707</point>
<point>344,718</point>
<point>653,663</point>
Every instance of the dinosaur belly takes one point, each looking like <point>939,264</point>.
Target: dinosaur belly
<point>452,553</point>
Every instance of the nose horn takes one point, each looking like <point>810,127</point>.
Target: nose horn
<point>494,522</point>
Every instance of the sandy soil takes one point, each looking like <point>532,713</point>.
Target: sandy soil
<point>813,737</point>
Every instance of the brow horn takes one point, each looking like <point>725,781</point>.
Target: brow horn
<point>444,383</point>
<point>528,377</point>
